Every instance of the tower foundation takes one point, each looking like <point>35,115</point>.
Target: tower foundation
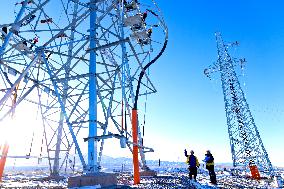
<point>96,179</point>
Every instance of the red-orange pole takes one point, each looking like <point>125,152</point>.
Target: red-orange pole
<point>254,172</point>
<point>3,159</point>
<point>135,146</point>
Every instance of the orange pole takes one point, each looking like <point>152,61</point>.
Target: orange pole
<point>254,172</point>
<point>3,159</point>
<point>135,147</point>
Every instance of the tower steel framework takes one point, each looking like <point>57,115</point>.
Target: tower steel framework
<point>79,61</point>
<point>248,152</point>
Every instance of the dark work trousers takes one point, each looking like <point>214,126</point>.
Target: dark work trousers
<point>192,171</point>
<point>212,174</point>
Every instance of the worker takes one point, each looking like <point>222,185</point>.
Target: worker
<point>193,163</point>
<point>209,160</point>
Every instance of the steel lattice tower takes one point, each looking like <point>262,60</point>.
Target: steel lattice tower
<point>79,62</point>
<point>246,145</point>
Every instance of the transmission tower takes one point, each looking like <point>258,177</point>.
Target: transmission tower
<point>248,152</point>
<point>79,62</point>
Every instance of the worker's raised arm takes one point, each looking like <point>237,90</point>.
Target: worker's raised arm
<point>185,152</point>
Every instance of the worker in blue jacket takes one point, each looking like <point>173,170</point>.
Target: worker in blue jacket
<point>209,160</point>
<point>193,163</point>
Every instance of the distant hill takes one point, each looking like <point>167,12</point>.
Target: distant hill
<point>110,164</point>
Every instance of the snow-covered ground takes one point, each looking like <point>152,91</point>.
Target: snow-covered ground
<point>167,178</point>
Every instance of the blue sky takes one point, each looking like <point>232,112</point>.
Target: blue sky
<point>188,110</point>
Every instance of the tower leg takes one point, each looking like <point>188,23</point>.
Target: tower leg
<point>92,144</point>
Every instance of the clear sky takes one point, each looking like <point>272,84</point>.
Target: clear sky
<point>188,110</point>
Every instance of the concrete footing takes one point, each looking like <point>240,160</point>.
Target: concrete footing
<point>101,179</point>
<point>148,173</point>
<point>54,177</point>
